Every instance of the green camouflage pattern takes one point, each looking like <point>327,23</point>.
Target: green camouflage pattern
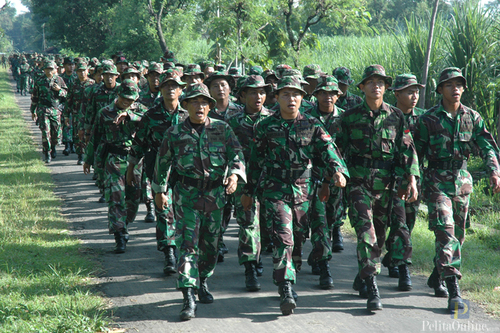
<point>76,98</point>
<point>194,69</point>
<point>375,70</point>
<point>348,101</point>
<point>312,71</point>
<point>343,75</point>
<point>291,81</point>
<point>450,73</point>
<point>67,130</point>
<point>255,70</point>
<point>220,75</point>
<point>403,81</point>
<point>327,83</point>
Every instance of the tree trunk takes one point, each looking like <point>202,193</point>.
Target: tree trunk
<point>157,17</point>
<point>428,53</point>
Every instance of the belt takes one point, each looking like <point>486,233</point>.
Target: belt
<point>202,184</point>
<point>370,163</point>
<point>448,165</point>
<point>118,150</point>
<point>289,176</point>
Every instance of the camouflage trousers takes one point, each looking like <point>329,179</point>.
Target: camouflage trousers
<point>165,227</point>
<point>77,144</point>
<point>447,219</point>
<point>67,130</point>
<point>24,83</point>
<point>288,226</point>
<point>147,192</point>
<point>336,207</point>
<point>196,237</point>
<point>320,240</point>
<point>123,200</point>
<point>369,216</point>
<point>249,246</point>
<point>49,122</point>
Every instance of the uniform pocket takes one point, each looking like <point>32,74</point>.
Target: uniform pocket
<point>388,139</point>
<point>217,154</point>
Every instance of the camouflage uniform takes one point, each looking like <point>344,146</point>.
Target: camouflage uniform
<point>24,78</point>
<point>312,72</point>
<point>114,142</point>
<point>67,130</point>
<point>199,162</point>
<point>350,100</point>
<point>45,103</point>
<point>146,96</point>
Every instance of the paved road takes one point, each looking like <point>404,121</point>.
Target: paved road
<point>144,300</point>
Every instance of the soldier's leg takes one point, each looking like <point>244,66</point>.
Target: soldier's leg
<point>226,217</point>
<point>44,125</point>
<point>335,211</point>
<point>76,140</point>
<point>55,126</point>
<point>133,194</point>
<point>208,243</point>
<point>115,183</point>
<point>165,234</point>
<point>147,195</point>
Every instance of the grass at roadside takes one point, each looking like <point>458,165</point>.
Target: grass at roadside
<point>45,284</point>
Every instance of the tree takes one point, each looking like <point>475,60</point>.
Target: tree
<point>425,70</point>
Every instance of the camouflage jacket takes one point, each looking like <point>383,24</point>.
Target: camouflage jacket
<point>88,92</point>
<point>101,97</point>
<point>44,98</point>
<point>24,69</point>
<point>349,101</point>
<point>243,124</point>
<point>69,80</point>
<point>440,137</point>
<point>412,119</point>
<point>107,134</point>
<point>208,156</point>
<point>378,137</point>
<point>305,107</point>
<point>285,151</point>
<point>231,110</point>
<point>147,97</point>
<point>76,96</point>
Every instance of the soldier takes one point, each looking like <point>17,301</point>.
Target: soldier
<point>253,92</point>
<point>207,160</point>
<point>207,67</point>
<point>193,74</point>
<point>23,71</point>
<point>131,73</point>
<point>287,144</point>
<point>121,63</point>
<point>73,107</point>
<point>377,148</point>
<point>311,74</point>
<point>406,89</point>
<point>48,93</point>
<point>151,92</point>
<point>147,142</point>
<point>271,79</point>
<point>69,77</point>
<point>347,100</point>
<point>114,129</point>
<point>445,136</point>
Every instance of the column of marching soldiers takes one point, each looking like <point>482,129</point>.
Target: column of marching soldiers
<point>290,152</point>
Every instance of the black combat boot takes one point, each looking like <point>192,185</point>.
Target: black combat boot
<point>337,239</point>
<point>287,301</point>
<point>121,240</point>
<point>315,270</point>
<point>170,260</point>
<point>46,157</point>
<point>53,152</point>
<point>102,199</point>
<point>455,302</point>
<point>373,302</point>
<point>437,284</point>
<point>72,148</point>
<point>189,305</point>
<point>150,216</point>
<point>259,267</point>
<point>66,149</point>
<point>325,277</point>
<point>204,294</point>
<point>80,159</point>
<point>360,286</point>
<point>404,283</point>
<point>251,282</point>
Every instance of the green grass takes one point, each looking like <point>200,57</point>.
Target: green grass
<point>45,283</point>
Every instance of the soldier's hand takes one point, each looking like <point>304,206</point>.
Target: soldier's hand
<point>246,202</point>
<point>231,183</point>
<point>324,192</point>
<point>33,117</point>
<point>130,175</point>
<point>339,180</point>
<point>495,183</point>
<point>86,168</point>
<point>161,200</point>
<point>411,193</point>
<point>81,135</point>
<point>56,87</point>
<point>120,118</point>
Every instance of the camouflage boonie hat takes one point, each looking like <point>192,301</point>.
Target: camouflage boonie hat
<point>138,65</point>
<point>375,70</point>
<point>94,62</point>
<point>451,73</point>
<point>145,63</point>
<point>130,70</point>
<point>60,64</point>
<point>50,64</point>
<point>280,69</point>
<point>294,82</point>
<point>194,69</point>
<point>220,68</point>
<point>295,73</point>
<point>327,83</point>
<point>171,74</point>
<point>180,69</point>
<point>255,70</point>
<point>239,83</point>
<point>403,81</point>
<point>120,59</point>
<point>220,75</point>
<point>234,72</point>
<point>168,64</point>
<point>343,75</point>
<point>81,66</point>
<point>128,89</point>
<point>254,81</point>
<point>199,89</point>
<point>312,72</point>
<point>169,57</point>
<point>206,63</point>
<point>269,73</point>
<point>68,61</point>
<point>108,68</point>
<point>155,67</point>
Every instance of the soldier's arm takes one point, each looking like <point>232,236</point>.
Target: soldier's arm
<point>256,162</point>
<point>163,164</point>
<point>488,146</point>
<point>139,142</point>
<point>235,159</point>
<point>329,153</point>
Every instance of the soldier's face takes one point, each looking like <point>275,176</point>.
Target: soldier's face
<point>69,68</point>
<point>154,80</point>
<point>198,108</point>
<point>343,89</point>
<point>289,100</point>
<point>60,70</point>
<point>407,98</point>
<point>171,90</point>
<point>220,89</point>
<point>82,74</point>
<point>50,72</point>
<point>98,76</point>
<point>109,79</point>
<point>374,87</point>
<point>120,67</point>
<point>208,70</point>
<point>254,99</point>
<point>131,76</point>
<point>192,79</point>
<point>124,103</point>
<point>452,90</point>
<point>312,85</point>
<point>327,100</point>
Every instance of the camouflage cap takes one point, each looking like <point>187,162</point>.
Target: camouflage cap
<point>280,69</point>
<point>155,67</point>
<point>403,81</point>
<point>220,75</point>
<point>81,66</point>
<point>312,72</point>
<point>343,75</point>
<point>327,83</point>
<point>130,70</point>
<point>199,89</point>
<point>375,70</point>
<point>138,65</point>
<point>194,69</point>
<point>169,57</point>
<point>294,82</point>
<point>128,89</point>
<point>68,61</point>
<point>94,62</point>
<point>206,63</point>
<point>220,68</point>
<point>294,72</point>
<point>239,83</point>
<point>108,68</point>
<point>171,74</point>
<point>451,73</point>
<point>269,73</point>
<point>255,70</point>
<point>168,64</point>
<point>234,72</point>
<point>50,64</point>
<point>180,69</point>
<point>254,81</point>
<point>121,58</point>
<point>60,64</point>
<point>145,63</point>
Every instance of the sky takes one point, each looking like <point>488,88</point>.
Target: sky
<point>17,5</point>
